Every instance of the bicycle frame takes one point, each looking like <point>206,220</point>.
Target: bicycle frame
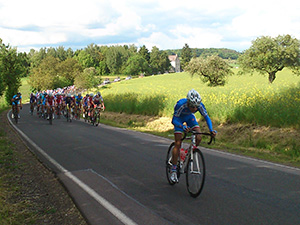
<point>192,147</point>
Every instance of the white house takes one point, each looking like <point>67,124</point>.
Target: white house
<point>175,63</point>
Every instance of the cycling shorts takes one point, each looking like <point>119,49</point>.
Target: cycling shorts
<point>189,119</point>
<point>15,103</point>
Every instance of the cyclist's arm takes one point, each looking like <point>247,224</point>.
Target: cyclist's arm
<point>177,123</point>
<point>209,123</point>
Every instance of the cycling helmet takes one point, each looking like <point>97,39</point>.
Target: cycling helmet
<point>92,94</point>
<point>79,94</point>
<point>87,95</point>
<point>99,93</point>
<point>194,98</point>
<point>19,93</point>
<point>69,95</point>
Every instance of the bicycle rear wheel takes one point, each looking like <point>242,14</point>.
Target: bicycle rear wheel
<point>169,165</point>
<point>195,173</point>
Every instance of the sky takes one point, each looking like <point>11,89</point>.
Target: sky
<point>166,24</point>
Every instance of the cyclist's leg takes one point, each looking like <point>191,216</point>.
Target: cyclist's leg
<point>13,110</point>
<point>18,108</point>
<point>193,124</point>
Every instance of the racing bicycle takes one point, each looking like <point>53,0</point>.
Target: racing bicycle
<point>95,120</point>
<point>68,113</point>
<point>193,164</point>
<point>50,115</point>
<point>15,113</point>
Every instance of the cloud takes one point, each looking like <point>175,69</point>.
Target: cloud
<point>166,24</point>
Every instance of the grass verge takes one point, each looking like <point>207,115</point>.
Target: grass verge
<point>11,211</point>
<point>29,192</point>
<point>278,145</point>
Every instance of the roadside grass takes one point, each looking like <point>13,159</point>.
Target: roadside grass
<point>11,211</point>
<point>280,145</point>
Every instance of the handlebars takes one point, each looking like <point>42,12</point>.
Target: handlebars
<point>212,137</point>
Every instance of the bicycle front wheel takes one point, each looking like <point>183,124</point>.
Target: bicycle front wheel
<point>195,173</point>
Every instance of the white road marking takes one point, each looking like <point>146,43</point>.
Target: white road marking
<point>106,204</point>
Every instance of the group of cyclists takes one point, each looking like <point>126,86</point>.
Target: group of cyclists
<point>183,119</point>
<point>58,102</point>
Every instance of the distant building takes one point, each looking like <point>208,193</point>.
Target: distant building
<point>175,63</point>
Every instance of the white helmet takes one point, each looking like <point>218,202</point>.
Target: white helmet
<point>194,98</point>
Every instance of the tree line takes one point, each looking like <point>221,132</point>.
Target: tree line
<point>50,68</point>
<point>223,53</point>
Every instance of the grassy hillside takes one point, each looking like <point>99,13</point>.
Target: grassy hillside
<point>249,99</point>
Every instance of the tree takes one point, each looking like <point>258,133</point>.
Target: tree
<point>85,59</point>
<point>94,51</point>
<point>212,70</point>
<point>67,72</point>
<point>186,55</point>
<point>45,76</point>
<point>136,65</point>
<point>114,59</point>
<point>11,69</point>
<point>36,57</point>
<point>164,62</point>
<point>270,55</point>
<point>86,79</point>
<point>144,52</point>
<point>154,60</point>
<point>61,53</point>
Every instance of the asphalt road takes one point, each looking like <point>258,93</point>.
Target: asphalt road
<point>117,176</point>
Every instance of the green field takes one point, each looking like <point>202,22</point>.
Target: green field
<point>246,99</point>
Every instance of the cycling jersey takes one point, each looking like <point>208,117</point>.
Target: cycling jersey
<point>32,99</point>
<point>78,100</point>
<point>85,101</point>
<point>59,99</point>
<point>69,100</point>
<point>97,100</point>
<point>44,99</point>
<point>16,99</point>
<point>90,100</point>
<point>182,114</point>
<point>50,100</point>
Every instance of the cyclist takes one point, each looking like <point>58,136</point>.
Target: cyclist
<point>91,105</point>
<point>50,105</point>
<point>69,101</point>
<point>85,105</point>
<point>16,102</point>
<point>184,113</point>
<point>97,101</point>
<point>44,95</point>
<point>58,103</point>
<point>33,100</point>
<point>78,100</point>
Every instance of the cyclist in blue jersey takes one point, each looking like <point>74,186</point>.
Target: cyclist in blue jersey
<point>184,113</point>
<point>16,102</point>
<point>44,95</point>
<point>78,104</point>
